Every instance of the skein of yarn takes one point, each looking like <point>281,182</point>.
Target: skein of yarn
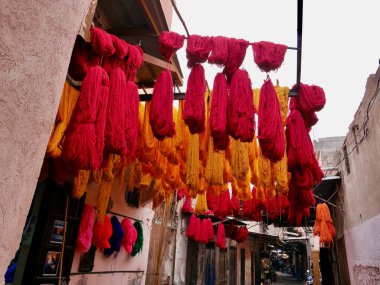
<point>169,43</point>
<point>130,235</point>
<point>116,237</point>
<point>237,49</point>
<point>197,50</point>
<point>101,42</point>
<point>132,119</point>
<point>268,56</point>
<point>221,236</point>
<point>219,53</point>
<point>85,229</point>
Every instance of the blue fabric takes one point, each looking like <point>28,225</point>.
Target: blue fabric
<point>115,239</point>
<point>10,273</point>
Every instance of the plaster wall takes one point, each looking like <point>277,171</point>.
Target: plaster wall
<point>122,261</point>
<point>36,41</point>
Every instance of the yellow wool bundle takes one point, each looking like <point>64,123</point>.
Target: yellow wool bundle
<point>66,107</point>
<point>283,99</point>
<point>150,143</point>
<point>172,176</point>
<point>97,175</point>
<point>266,176</point>
<point>80,183</point>
<point>254,161</point>
<point>214,165</point>
<point>281,175</point>
<point>245,186</point>
<point>168,147</point>
<point>201,205</point>
<point>227,172</point>
<point>183,135</point>
<point>192,163</point>
<point>239,159</point>
<point>105,189</point>
<point>159,193</point>
<point>146,180</point>
<point>140,137</point>
<point>256,98</point>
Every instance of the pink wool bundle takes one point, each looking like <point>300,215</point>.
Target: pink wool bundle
<point>221,236</point>
<point>312,98</point>
<point>270,130</point>
<point>240,108</point>
<point>132,119</point>
<point>210,229</point>
<point>101,42</point>
<point>85,229</point>
<point>268,56</point>
<point>130,235</point>
<point>235,206</point>
<point>237,49</point>
<point>218,112</point>
<point>121,47</point>
<point>191,228</point>
<point>134,61</point>
<point>204,233</point>
<point>219,53</point>
<point>194,112</point>
<point>161,110</point>
<point>169,43</point>
<point>197,50</point>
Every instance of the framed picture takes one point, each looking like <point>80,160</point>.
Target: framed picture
<point>57,232</point>
<point>51,263</point>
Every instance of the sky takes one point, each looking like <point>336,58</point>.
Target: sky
<point>340,47</point>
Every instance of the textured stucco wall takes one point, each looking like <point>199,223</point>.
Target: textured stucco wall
<point>36,41</point>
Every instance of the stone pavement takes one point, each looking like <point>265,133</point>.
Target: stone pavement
<point>283,279</point>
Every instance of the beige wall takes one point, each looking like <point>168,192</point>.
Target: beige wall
<point>36,41</point>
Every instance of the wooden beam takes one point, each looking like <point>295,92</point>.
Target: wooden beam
<point>133,32</point>
<point>164,65</point>
<point>150,17</point>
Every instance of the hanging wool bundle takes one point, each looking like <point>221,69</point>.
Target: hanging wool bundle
<point>221,236</point>
<point>132,119</point>
<point>116,237</point>
<point>197,50</point>
<point>65,110</point>
<point>102,233</point>
<point>268,56</point>
<point>133,62</point>
<point>210,229</point>
<point>223,206</point>
<point>121,47</point>
<point>231,229</point>
<point>237,49</point>
<point>85,229</point>
<point>324,225</point>
<point>239,160</point>
<point>84,138</point>
<point>271,131</point>
<point>280,169</point>
<point>241,234</point>
<point>252,208</point>
<point>169,43</point>
<point>197,229</point>
<point>105,188</point>
<point>240,109</point>
<point>187,207</point>
<point>101,42</point>
<point>80,183</point>
<point>218,113</point>
<point>312,98</point>
<point>214,166</point>
<point>191,228</point>
<point>201,205</point>
<point>235,206</point>
<point>310,118</point>
<point>161,110</point>
<point>283,98</point>
<point>204,234</point>
<point>219,53</point>
<point>192,163</point>
<point>194,113</point>
<point>116,109</point>
<point>212,200</point>
<point>276,206</point>
<point>139,240</point>
<point>129,235</point>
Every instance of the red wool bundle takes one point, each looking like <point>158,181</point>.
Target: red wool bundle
<point>116,108</point>
<point>102,233</point>
<point>210,229</point>
<point>194,112</point>
<point>232,228</point>
<point>240,234</point>
<point>191,228</point>
<point>312,98</point>
<point>132,119</point>
<point>78,63</point>
<point>252,208</point>
<point>277,206</point>
<point>218,113</point>
<point>271,130</point>
<point>197,229</point>
<point>130,235</point>
<point>219,53</point>
<point>237,49</point>
<point>223,205</point>
<point>133,62</point>
<point>235,206</point>
<point>84,137</point>
<point>187,207</point>
<point>197,50</point>
<point>296,213</point>
<point>121,47</point>
<point>161,110</point>
<point>212,201</point>
<point>101,42</point>
<point>221,236</point>
<point>240,108</point>
<point>268,56</point>
<point>310,118</point>
<point>85,229</point>
<point>204,233</point>
<point>169,43</point>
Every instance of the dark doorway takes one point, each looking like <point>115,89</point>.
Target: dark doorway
<point>242,266</point>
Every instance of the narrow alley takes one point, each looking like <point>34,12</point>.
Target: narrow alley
<point>287,279</point>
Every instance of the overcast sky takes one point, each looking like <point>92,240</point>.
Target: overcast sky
<point>341,46</point>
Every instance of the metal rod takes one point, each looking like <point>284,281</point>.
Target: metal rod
<point>124,216</point>
<point>148,97</point>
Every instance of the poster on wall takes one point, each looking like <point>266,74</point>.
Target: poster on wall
<point>51,263</point>
<point>57,232</point>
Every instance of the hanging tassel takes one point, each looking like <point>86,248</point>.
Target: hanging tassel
<point>132,120</point>
<point>268,56</point>
<point>192,163</point>
<point>85,229</point>
<point>66,107</point>
<point>194,113</point>
<point>240,109</point>
<point>139,240</point>
<point>201,205</point>
<point>221,236</point>
<point>80,183</point>
<point>218,113</point>
<point>102,233</point>
<point>130,235</point>
<point>116,237</point>
<point>84,138</point>
<point>161,110</point>
<point>116,109</point>
<point>169,43</point>
<point>270,133</point>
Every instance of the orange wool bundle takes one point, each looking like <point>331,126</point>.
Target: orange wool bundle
<point>268,56</point>
<point>116,109</point>
<point>240,108</point>
<point>324,225</point>
<point>102,233</point>
<point>132,119</point>
<point>84,138</point>
<point>270,130</point>
<point>201,205</point>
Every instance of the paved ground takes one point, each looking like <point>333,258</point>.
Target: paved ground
<point>283,279</point>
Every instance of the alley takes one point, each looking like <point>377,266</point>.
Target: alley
<point>283,279</point>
